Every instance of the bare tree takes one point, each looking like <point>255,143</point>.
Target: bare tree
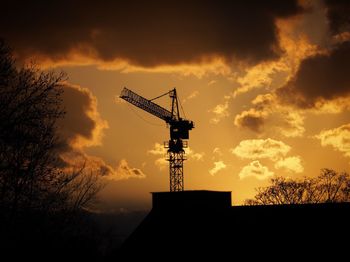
<point>74,190</point>
<point>333,186</point>
<point>31,174</point>
<point>330,186</point>
<point>43,199</point>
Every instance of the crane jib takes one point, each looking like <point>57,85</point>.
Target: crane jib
<point>146,104</point>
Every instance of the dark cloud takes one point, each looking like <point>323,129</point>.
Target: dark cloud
<point>321,77</point>
<point>136,171</point>
<point>78,103</point>
<point>146,33</point>
<point>251,119</point>
<point>82,125</point>
<point>338,15</point>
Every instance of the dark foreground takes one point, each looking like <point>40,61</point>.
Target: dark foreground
<point>281,232</point>
<point>38,236</point>
<point>193,224</point>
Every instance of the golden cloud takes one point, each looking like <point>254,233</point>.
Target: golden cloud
<point>295,45</point>
<point>217,151</point>
<point>260,149</point>
<point>338,138</point>
<point>270,149</point>
<point>76,159</point>
<point>298,46</point>
<point>214,65</point>
<point>334,106</point>
<point>291,164</point>
<point>218,165</point>
<point>259,76</point>
<point>124,171</point>
<point>316,76</point>
<point>193,95</point>
<point>266,109</point>
<point>220,111</point>
<point>291,123</point>
<point>194,155</point>
<point>257,170</point>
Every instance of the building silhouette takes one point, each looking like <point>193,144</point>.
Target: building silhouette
<point>203,224</point>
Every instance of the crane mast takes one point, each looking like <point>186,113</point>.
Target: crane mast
<point>179,132</point>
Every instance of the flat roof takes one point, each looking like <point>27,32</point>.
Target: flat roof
<point>188,191</point>
<point>190,199</point>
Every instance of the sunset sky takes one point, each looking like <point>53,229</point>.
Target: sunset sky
<point>267,84</point>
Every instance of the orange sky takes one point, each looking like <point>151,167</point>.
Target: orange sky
<point>278,107</point>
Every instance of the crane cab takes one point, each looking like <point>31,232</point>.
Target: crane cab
<point>180,129</point>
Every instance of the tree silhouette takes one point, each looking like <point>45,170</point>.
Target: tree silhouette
<point>32,176</point>
<point>329,187</point>
<point>41,203</point>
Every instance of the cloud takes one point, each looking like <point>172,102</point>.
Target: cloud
<point>338,138</point>
<point>316,68</point>
<point>259,76</point>
<point>270,149</point>
<point>193,95</point>
<point>76,159</point>
<point>220,111</point>
<point>297,43</point>
<point>321,84</point>
<point>219,165</point>
<point>212,82</point>
<point>161,163</point>
<point>267,110</point>
<point>146,33</point>
<point>158,150</point>
<point>161,152</point>
<point>255,117</point>
<point>257,170</point>
<point>124,171</point>
<point>334,106</point>
<point>194,155</point>
<point>291,123</point>
<point>338,15</point>
<point>252,119</point>
<point>261,149</point>
<point>82,124</point>
<point>292,164</point>
<point>217,151</point>
<point>214,66</point>
<point>321,77</point>
<point>83,127</point>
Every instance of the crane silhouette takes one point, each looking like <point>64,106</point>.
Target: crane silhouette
<point>179,132</point>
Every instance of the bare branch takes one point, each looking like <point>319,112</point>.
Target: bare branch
<point>330,186</point>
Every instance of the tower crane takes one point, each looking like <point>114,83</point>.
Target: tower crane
<point>179,131</point>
